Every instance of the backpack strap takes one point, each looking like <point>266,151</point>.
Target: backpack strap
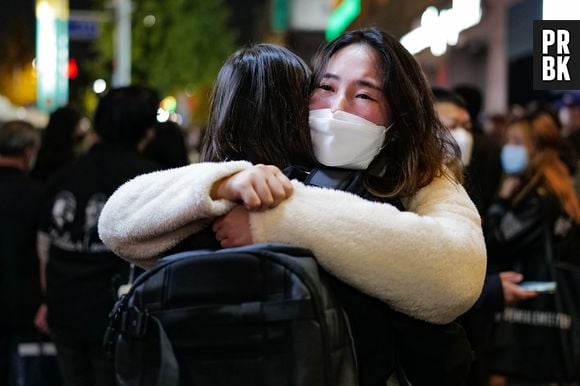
<point>338,179</point>
<point>169,368</point>
<point>327,177</point>
<point>132,323</point>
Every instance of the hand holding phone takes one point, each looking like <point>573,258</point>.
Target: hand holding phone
<point>543,287</point>
<point>512,292</point>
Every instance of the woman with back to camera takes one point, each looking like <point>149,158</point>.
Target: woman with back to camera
<point>428,264</point>
<point>251,119</point>
<point>60,143</point>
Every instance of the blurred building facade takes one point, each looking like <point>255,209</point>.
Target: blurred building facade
<point>494,55</point>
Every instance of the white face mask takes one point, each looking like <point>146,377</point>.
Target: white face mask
<point>345,140</point>
<point>464,139</point>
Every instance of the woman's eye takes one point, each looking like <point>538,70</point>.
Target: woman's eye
<point>365,96</point>
<point>325,87</point>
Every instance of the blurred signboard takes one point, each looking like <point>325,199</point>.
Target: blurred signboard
<point>85,25</point>
<point>309,15</point>
<point>83,30</point>
<point>52,54</point>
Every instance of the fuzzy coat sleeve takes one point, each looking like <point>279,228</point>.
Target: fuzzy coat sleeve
<point>427,262</point>
<point>154,212</point>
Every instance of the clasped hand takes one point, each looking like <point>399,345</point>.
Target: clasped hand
<point>258,187</point>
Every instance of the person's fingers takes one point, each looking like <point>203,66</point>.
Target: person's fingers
<point>231,243</point>
<point>250,199</point>
<point>511,276</point>
<point>520,294</point>
<point>280,186</point>
<point>225,243</point>
<point>283,179</point>
<point>217,224</point>
<point>277,189</point>
<point>220,228</point>
<point>529,294</point>
<point>258,187</point>
<point>220,233</point>
<point>287,185</point>
<point>263,192</point>
<point>40,323</point>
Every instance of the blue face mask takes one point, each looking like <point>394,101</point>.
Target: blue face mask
<point>514,159</point>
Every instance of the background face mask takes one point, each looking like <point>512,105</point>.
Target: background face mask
<point>514,159</point>
<point>344,140</point>
<point>464,139</point>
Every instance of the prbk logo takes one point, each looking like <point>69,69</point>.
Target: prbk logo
<point>557,54</point>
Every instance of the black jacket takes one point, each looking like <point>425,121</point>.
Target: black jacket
<point>20,208</point>
<point>82,274</point>
<point>515,233</point>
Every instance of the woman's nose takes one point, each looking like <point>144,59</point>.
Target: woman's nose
<point>340,103</point>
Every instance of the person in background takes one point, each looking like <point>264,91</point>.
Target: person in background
<point>60,142</point>
<point>545,116</point>
<point>537,192</point>
<point>473,99</point>
<point>568,120</point>
<point>20,208</point>
<point>168,148</point>
<point>481,158</point>
<point>570,115</point>
<point>82,274</point>
<point>479,153</point>
<point>404,157</point>
<point>495,125</point>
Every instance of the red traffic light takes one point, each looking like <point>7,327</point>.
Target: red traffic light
<point>73,68</point>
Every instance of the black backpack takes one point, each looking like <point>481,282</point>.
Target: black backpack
<point>256,315</point>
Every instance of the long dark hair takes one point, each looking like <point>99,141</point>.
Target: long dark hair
<point>58,142</point>
<point>259,109</point>
<point>418,144</point>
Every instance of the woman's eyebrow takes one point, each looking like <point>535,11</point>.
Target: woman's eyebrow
<point>328,75</point>
<point>366,83</point>
<point>360,82</point>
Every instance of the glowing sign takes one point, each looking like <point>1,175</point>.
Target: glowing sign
<point>341,18</point>
<point>561,10</point>
<point>52,54</point>
<point>441,28</point>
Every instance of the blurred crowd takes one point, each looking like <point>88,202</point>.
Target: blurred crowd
<point>522,172</point>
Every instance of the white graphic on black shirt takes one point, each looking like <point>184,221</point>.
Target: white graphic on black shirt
<point>92,213</point>
<point>63,210</point>
<point>66,234</point>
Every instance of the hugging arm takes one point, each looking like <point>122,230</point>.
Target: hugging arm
<point>427,262</point>
<point>154,212</point>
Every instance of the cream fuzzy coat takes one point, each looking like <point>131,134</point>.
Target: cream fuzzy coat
<point>427,262</point>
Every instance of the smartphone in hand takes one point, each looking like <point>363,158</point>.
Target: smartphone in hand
<point>543,287</point>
